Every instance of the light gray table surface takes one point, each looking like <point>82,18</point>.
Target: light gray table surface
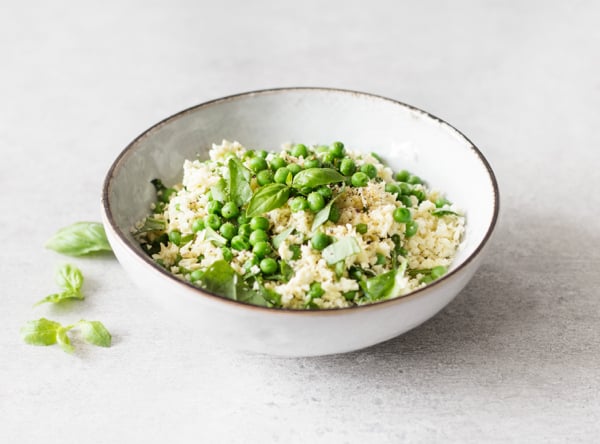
<point>514,358</point>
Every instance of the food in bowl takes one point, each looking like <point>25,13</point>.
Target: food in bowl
<point>310,227</point>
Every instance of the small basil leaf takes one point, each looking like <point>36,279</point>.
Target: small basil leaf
<point>277,240</point>
<point>268,198</point>
<point>69,278</point>
<point>79,239</point>
<point>340,250</point>
<point>323,215</point>
<point>441,212</point>
<point>63,340</point>
<point>212,235</point>
<point>221,279</point>
<point>239,182</point>
<point>94,332</point>
<point>60,297</point>
<point>151,224</point>
<point>40,332</point>
<point>315,177</point>
<point>385,285</point>
<point>219,191</point>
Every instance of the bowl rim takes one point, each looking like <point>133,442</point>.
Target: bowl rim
<point>126,152</point>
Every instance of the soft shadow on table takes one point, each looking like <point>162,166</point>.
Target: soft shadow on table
<point>518,306</point>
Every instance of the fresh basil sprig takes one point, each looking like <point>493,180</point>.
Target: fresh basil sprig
<point>315,177</point>
<point>268,198</point>
<point>70,279</point>
<point>79,239</point>
<point>46,332</point>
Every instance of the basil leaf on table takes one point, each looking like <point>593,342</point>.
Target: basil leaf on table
<point>70,279</point>
<point>315,177</point>
<point>95,333</point>
<point>63,340</point>
<point>268,198</point>
<point>40,332</point>
<point>79,239</point>
<point>46,332</point>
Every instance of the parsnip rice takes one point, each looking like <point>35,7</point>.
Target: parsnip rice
<point>310,227</point>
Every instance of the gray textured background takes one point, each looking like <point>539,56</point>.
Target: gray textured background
<point>513,358</point>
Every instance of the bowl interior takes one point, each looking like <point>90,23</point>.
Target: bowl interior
<point>405,137</point>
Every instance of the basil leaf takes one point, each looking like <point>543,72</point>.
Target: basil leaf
<point>251,296</point>
<point>340,250</point>
<point>152,224</point>
<point>315,177</point>
<point>441,212</point>
<point>94,332</point>
<point>69,278</point>
<point>212,235</point>
<point>221,279</point>
<point>63,340</point>
<point>60,297</point>
<point>277,240</point>
<point>40,332</point>
<point>79,239</point>
<point>239,182</point>
<point>323,215</point>
<point>219,190</point>
<point>385,285</point>
<point>268,198</point>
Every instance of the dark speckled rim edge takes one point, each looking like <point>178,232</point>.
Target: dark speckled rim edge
<point>334,311</point>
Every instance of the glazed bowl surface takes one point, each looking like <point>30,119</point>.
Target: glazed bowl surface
<point>406,137</point>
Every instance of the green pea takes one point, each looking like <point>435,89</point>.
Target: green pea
<point>305,190</point>
<point>257,164</point>
<point>419,194</point>
<point>245,230</point>
<point>294,168</point>
<point>362,228</point>
<point>166,194</point>
<point>300,150</point>
<point>258,236</point>
<point>264,177</point>
<point>262,153</point>
<point>282,174</point>
<point>347,167</point>
<point>243,219</point>
<point>325,191</point>
<point>268,265</point>
<point>380,259</point>
<point>239,243</point>
<point>404,188</point>
<point>259,223</point>
<point>196,275</point>
<point>277,162</point>
<point>320,240</point>
<point>312,163</point>
<point>392,188</point>
<point>414,180</point>
<point>402,176</point>
<point>406,201</point>
<point>213,221</point>
<point>411,228</point>
<point>227,254</point>
<point>175,237</point>
<point>328,158</point>
<point>402,215</point>
<point>228,230</point>
<point>248,154</point>
<point>230,210</point>
<point>198,225</point>
<point>261,249</point>
<point>370,170</point>
<point>315,290</point>
<point>334,214</point>
<point>214,207</point>
<point>298,203</point>
<point>337,149</point>
<point>360,179</point>
<point>316,201</point>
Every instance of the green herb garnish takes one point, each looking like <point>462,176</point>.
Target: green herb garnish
<point>70,280</point>
<point>79,239</point>
<point>46,332</point>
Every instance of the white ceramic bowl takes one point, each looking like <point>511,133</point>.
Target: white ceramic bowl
<point>407,138</point>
